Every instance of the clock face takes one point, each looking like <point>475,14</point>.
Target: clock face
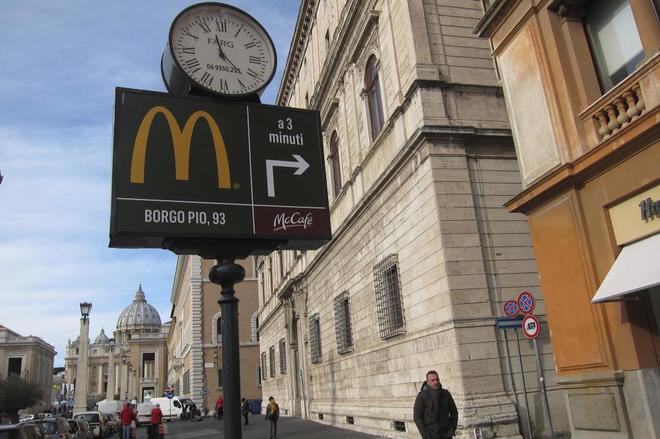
<point>222,49</point>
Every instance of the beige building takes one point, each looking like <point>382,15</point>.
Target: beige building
<point>29,357</point>
<point>419,162</point>
<point>194,339</point>
<point>130,366</point>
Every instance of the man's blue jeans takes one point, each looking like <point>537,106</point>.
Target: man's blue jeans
<point>125,432</point>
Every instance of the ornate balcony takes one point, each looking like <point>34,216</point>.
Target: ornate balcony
<point>619,107</point>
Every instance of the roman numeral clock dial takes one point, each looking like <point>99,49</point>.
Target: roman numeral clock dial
<point>218,49</point>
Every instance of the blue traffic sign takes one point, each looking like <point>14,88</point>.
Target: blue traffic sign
<point>511,308</point>
<point>526,302</point>
<point>509,322</point>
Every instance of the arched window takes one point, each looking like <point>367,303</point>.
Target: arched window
<point>372,91</point>
<point>216,328</point>
<point>335,165</point>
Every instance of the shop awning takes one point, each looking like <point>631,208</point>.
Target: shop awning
<point>636,268</point>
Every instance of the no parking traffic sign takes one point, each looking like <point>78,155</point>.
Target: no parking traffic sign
<point>511,308</point>
<point>526,302</point>
<point>531,326</point>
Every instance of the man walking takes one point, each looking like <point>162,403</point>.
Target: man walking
<point>245,409</point>
<point>435,412</point>
<point>272,414</point>
<point>126,416</point>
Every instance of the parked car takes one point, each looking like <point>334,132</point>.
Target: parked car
<point>20,431</point>
<point>54,428</point>
<point>27,418</point>
<point>80,429</point>
<point>96,422</point>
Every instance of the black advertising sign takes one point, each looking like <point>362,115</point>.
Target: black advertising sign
<point>189,168</point>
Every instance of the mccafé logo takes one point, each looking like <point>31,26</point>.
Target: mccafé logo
<point>181,142</point>
<point>296,219</point>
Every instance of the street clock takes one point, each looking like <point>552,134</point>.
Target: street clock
<point>218,50</point>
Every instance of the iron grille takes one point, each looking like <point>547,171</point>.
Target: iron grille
<point>282,356</point>
<point>343,324</point>
<point>315,338</point>
<point>271,358</point>
<point>388,297</point>
<point>263,366</point>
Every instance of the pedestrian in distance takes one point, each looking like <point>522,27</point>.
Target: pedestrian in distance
<point>435,412</point>
<point>219,407</point>
<point>193,411</point>
<point>127,417</point>
<point>272,415</point>
<point>245,410</point>
<point>156,419</point>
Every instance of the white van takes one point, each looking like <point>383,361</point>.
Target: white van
<point>171,409</point>
<point>109,407</point>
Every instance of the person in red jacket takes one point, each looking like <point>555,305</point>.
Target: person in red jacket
<point>156,419</point>
<point>126,418</point>
<point>219,407</point>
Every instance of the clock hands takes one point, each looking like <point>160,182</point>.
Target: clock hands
<point>224,57</point>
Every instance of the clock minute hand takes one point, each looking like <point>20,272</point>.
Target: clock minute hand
<point>220,52</point>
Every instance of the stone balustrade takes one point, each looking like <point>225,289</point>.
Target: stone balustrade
<point>620,111</point>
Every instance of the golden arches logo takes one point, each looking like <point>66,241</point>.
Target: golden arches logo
<point>181,143</point>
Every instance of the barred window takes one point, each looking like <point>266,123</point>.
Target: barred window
<point>388,297</point>
<point>263,366</point>
<point>315,338</point>
<point>186,382</point>
<point>271,358</point>
<point>343,324</point>
<point>282,356</point>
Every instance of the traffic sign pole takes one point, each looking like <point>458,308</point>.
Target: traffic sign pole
<point>546,405</point>
<point>522,374</point>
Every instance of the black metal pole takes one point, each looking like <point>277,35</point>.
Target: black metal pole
<point>226,274</point>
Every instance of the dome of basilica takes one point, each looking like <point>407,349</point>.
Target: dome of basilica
<point>101,338</point>
<point>138,315</point>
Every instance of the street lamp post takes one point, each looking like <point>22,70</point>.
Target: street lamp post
<point>80,398</point>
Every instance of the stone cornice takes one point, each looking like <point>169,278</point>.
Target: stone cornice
<point>493,17</point>
<point>296,48</point>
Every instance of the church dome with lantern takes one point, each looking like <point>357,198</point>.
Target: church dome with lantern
<point>102,338</point>
<point>139,315</point>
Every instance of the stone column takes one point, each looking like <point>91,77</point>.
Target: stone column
<point>80,395</point>
<point>110,394</point>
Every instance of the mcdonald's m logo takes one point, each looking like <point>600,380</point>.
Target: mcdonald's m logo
<point>181,143</point>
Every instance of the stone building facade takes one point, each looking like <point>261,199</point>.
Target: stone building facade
<point>29,357</point>
<point>130,366</point>
<point>419,162</point>
<point>194,338</point>
<point>581,79</point>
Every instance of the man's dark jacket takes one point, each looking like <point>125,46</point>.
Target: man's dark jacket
<point>435,413</point>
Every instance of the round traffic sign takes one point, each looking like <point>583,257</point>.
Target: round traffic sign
<point>511,308</point>
<point>526,302</point>
<point>531,326</point>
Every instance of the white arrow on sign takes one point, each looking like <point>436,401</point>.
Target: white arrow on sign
<point>300,163</point>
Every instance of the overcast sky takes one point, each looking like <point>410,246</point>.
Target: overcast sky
<point>61,61</point>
